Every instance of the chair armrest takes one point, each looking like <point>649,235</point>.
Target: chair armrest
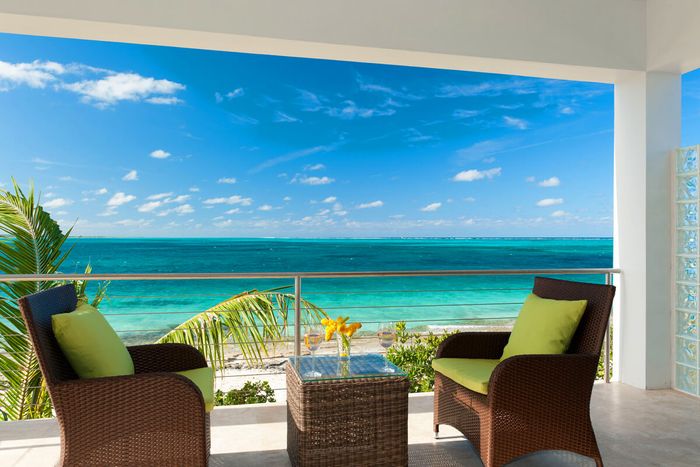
<point>473,345</point>
<point>543,380</point>
<point>105,417</point>
<point>165,357</point>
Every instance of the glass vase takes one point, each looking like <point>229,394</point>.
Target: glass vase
<point>343,345</point>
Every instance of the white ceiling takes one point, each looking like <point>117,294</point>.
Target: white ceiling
<point>596,40</point>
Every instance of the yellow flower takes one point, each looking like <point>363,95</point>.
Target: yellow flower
<point>325,321</point>
<point>330,329</point>
<point>351,329</point>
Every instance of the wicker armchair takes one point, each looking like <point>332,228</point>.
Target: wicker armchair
<point>153,417</point>
<point>534,402</point>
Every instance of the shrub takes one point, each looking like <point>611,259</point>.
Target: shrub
<point>252,392</point>
<point>414,353</point>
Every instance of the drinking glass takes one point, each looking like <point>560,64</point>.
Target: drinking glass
<point>313,336</point>
<point>387,336</point>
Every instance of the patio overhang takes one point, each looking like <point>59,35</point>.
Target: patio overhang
<point>640,46</point>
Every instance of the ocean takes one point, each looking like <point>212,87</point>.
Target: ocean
<point>143,310</point>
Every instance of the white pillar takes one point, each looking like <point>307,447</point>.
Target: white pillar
<point>647,128</point>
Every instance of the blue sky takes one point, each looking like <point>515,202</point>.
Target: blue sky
<point>157,141</point>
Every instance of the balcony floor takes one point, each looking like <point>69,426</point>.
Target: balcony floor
<point>633,427</point>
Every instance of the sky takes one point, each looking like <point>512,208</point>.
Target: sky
<point>133,140</point>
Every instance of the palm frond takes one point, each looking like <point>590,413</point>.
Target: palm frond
<point>253,321</point>
<point>33,244</point>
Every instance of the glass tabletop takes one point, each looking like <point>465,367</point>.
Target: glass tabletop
<point>330,367</point>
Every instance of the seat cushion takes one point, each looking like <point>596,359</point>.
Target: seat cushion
<point>472,373</point>
<point>91,346</point>
<point>544,326</point>
<point>204,379</point>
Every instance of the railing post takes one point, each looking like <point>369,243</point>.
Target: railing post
<point>606,359</point>
<point>297,316</point>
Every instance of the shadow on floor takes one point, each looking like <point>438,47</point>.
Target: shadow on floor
<point>458,453</point>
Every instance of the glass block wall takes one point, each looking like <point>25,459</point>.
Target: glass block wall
<point>687,230</point>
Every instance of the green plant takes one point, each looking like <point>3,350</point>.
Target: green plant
<point>414,353</point>
<point>600,374</point>
<point>32,244</point>
<point>251,393</point>
<point>251,320</point>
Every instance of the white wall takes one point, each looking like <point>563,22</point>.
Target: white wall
<point>647,127</point>
<point>553,38</point>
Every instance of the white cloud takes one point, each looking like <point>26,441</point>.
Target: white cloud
<point>179,210</point>
<point>101,191</point>
<point>57,203</point>
<point>488,160</point>
<point>233,211</point>
<point>287,198</point>
<point>36,74</point>
<point>238,92</point>
<point>226,223</point>
<point>313,180</point>
<point>110,211</point>
<point>131,176</point>
<point>265,207</point>
<point>372,204</point>
<point>530,179</point>
<point>474,174</point>
<point>158,196</point>
<point>470,199</point>
<point>160,154</point>
<point>164,100</point>
<point>559,213</point>
<point>431,207</point>
<point>150,206</point>
<point>133,222</point>
<point>518,123</point>
<point>464,113</point>
<point>178,199</point>
<point>349,110</point>
<point>226,180</point>
<point>281,117</point>
<point>543,203</point>
<point>315,167</point>
<point>120,199</point>
<point>235,199</point>
<point>550,182</point>
<point>566,110</point>
<point>194,189</point>
<point>482,149</point>
<point>116,87</point>
<point>330,199</point>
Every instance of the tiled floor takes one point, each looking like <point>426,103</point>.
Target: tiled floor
<point>634,428</point>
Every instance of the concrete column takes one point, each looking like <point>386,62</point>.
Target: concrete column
<point>647,128</point>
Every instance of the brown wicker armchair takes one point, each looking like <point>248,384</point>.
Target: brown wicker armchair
<point>534,402</point>
<point>153,417</point>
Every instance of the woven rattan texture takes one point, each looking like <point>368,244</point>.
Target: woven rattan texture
<point>152,418</point>
<point>534,402</point>
<point>358,422</point>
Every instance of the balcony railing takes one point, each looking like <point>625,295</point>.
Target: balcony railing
<point>460,300</point>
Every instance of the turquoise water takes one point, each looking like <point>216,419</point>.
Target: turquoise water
<point>143,308</point>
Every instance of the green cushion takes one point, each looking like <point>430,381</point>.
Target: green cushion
<point>204,379</point>
<point>472,373</point>
<point>90,344</point>
<point>544,326</point>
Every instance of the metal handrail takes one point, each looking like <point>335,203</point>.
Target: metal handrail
<point>302,275</point>
<point>298,276</point>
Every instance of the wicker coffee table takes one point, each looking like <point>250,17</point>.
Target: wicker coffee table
<point>354,413</point>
